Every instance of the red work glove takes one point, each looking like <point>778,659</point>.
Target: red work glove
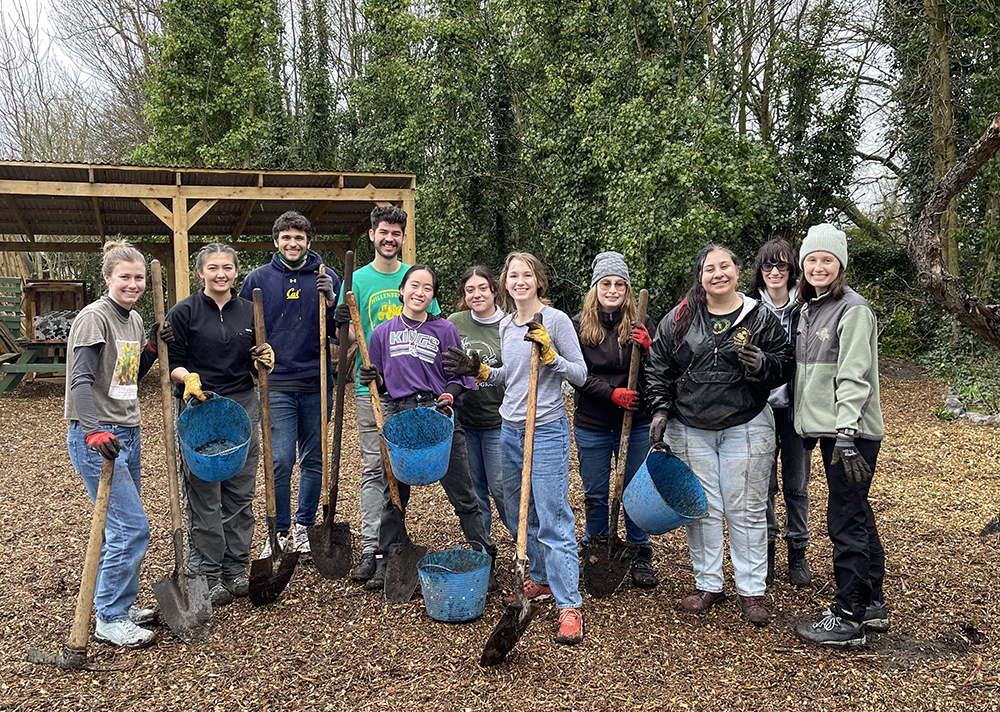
<point>624,398</point>
<point>444,403</point>
<point>641,337</point>
<point>105,443</point>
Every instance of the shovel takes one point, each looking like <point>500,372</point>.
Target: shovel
<point>331,542</point>
<point>270,575</point>
<point>607,562</point>
<point>184,600</point>
<point>401,568</point>
<point>74,655</point>
<point>518,614</point>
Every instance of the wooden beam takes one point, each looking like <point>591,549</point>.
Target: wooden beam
<point>159,249</point>
<point>244,219</point>
<point>97,218</point>
<point>410,246</point>
<point>159,210</point>
<point>8,246</point>
<point>198,211</point>
<point>19,216</point>
<point>320,208</point>
<point>182,282</point>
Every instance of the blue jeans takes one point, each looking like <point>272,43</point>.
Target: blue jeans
<point>126,531</point>
<point>551,527</point>
<point>486,470</point>
<point>295,420</point>
<point>595,449</point>
<point>794,483</point>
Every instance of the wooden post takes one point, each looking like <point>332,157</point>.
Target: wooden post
<point>410,246</point>
<point>182,281</point>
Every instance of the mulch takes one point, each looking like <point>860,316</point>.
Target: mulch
<point>329,645</point>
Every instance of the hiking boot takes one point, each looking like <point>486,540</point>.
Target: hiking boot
<point>876,618</point>
<point>754,610</point>
<point>798,568</point>
<point>570,626</point>
<point>144,616</point>
<point>769,579</point>
<point>701,601</point>
<point>377,581</point>
<point>124,634</point>
<point>238,585</point>
<point>532,591</point>
<point>219,594</point>
<point>282,544</point>
<point>300,539</point>
<point>832,630</point>
<point>642,568</point>
<point>365,568</point>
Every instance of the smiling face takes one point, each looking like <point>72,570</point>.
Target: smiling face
<point>479,296</point>
<point>417,293</point>
<point>719,275</point>
<point>292,244</point>
<point>218,272</point>
<point>775,274</point>
<point>388,239</point>
<point>126,283</point>
<point>611,293</point>
<point>820,269</point>
<point>520,282</point>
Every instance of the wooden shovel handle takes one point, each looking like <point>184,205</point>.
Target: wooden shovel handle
<point>529,445</point>
<point>343,336</point>
<point>265,406</point>
<point>170,446</point>
<point>359,332</point>
<point>324,360</point>
<point>85,599</point>
<point>633,383</point>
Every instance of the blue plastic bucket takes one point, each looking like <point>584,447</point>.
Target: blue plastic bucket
<point>454,584</point>
<point>214,438</point>
<point>419,445</point>
<point>664,494</point>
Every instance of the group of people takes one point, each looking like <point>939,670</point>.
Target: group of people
<point>734,383</point>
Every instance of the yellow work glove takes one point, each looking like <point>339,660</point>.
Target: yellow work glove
<point>192,387</point>
<point>538,334</point>
<point>263,356</point>
<point>483,373</point>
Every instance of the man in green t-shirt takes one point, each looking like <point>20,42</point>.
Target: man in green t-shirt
<point>376,288</point>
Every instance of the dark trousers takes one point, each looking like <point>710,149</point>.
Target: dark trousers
<point>794,483</point>
<point>858,556</point>
<point>457,484</point>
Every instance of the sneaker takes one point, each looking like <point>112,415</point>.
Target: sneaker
<point>700,601</point>
<point>643,575</point>
<point>799,574</point>
<point>282,544</point>
<point>365,568</point>
<point>124,634</point>
<point>238,585</point>
<point>300,539</point>
<point>532,591</point>
<point>769,579</point>
<point>876,617</point>
<point>377,581</point>
<point>754,610</point>
<point>831,629</point>
<point>219,594</point>
<point>570,626</point>
<point>141,616</point>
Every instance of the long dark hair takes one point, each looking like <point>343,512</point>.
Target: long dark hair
<point>773,251</point>
<point>694,299</point>
<point>477,271</point>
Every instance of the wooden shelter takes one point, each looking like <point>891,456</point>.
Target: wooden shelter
<point>235,206</point>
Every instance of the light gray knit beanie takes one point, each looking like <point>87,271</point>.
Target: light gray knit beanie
<point>609,264</point>
<point>825,238</point>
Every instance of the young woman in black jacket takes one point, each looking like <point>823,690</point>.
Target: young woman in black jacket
<point>608,332</point>
<point>712,365</point>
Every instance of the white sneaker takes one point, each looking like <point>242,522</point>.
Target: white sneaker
<point>141,616</point>
<point>124,634</point>
<point>300,538</point>
<point>282,543</point>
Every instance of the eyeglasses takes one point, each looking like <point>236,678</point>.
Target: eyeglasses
<point>607,284</point>
<point>780,266</point>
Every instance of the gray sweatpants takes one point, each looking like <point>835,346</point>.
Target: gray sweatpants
<point>374,490</point>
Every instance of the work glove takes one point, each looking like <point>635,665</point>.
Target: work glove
<point>641,336</point>
<point>192,388</point>
<point>167,333</point>
<point>342,314</point>
<point>324,285</point>
<point>538,334</point>
<point>751,357</point>
<point>105,443</point>
<point>444,403</point>
<point>624,398</point>
<point>658,427</point>
<point>456,360</point>
<point>367,374</point>
<point>263,357</point>
<point>855,467</point>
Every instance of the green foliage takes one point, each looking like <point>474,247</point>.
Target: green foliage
<point>943,414</point>
<point>971,365</point>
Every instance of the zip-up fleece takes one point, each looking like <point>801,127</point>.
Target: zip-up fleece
<point>607,369</point>
<point>836,377</point>
<point>788,315</point>
<point>704,385</point>
<point>291,315</point>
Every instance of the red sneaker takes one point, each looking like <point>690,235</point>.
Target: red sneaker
<point>532,591</point>
<point>570,626</point>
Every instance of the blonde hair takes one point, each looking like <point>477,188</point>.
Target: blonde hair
<point>592,332</point>
<point>119,251</point>
<point>541,281</point>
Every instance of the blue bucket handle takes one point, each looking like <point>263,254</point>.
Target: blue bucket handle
<point>439,566</point>
<point>660,447</point>
<point>209,395</point>
<point>450,414</point>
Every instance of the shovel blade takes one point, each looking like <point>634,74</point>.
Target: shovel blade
<point>605,567</point>
<point>270,575</point>
<point>332,548</point>
<point>511,626</point>
<point>401,571</point>
<point>185,606</point>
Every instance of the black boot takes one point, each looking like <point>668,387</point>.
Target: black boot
<point>798,568</point>
<point>492,585</point>
<point>377,581</point>
<point>642,568</point>
<point>770,563</point>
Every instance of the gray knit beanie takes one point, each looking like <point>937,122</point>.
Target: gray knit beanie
<point>609,264</point>
<point>825,238</point>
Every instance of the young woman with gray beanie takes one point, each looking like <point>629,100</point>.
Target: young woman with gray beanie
<point>837,404</point>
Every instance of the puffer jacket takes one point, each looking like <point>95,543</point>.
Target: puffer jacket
<point>705,386</point>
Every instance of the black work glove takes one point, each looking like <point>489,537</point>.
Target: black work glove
<point>368,374</point>
<point>342,314</point>
<point>855,467</point>
<point>456,360</point>
<point>105,443</point>
<point>751,357</point>
<point>324,284</point>
<point>658,427</point>
<point>167,333</point>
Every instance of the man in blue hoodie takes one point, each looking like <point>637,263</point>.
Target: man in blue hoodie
<point>291,285</point>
